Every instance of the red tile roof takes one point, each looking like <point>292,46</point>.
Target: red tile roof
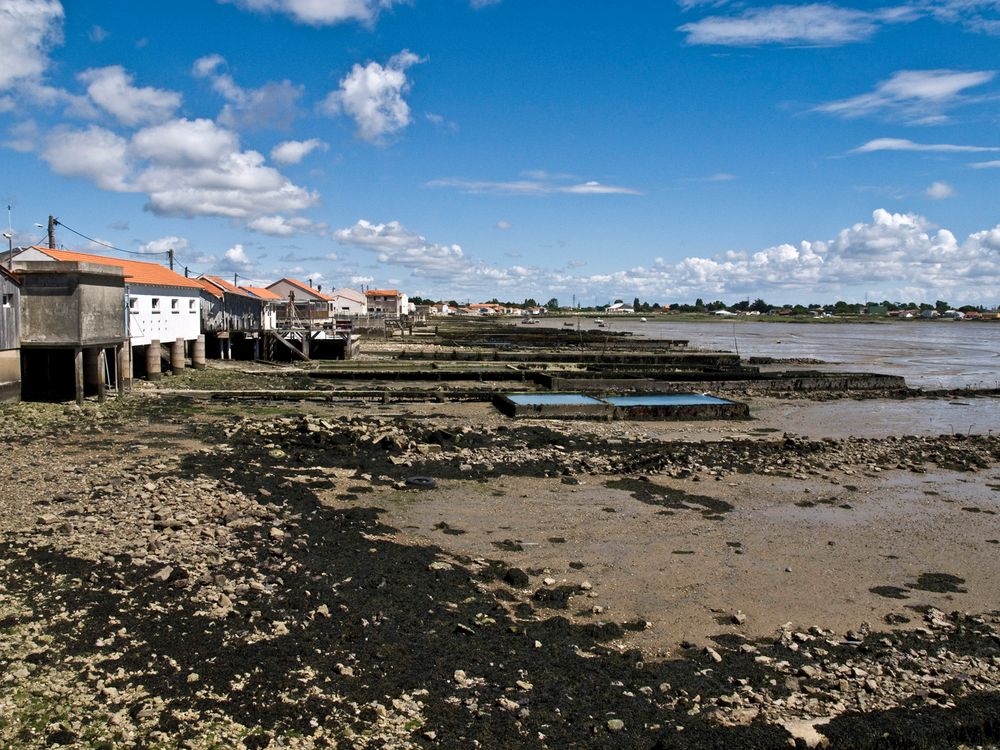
<point>382,293</point>
<point>135,271</point>
<point>304,288</point>
<point>261,292</point>
<point>221,284</point>
<point>209,287</point>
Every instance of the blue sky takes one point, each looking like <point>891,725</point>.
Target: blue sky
<point>467,148</point>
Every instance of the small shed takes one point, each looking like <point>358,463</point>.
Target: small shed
<point>72,328</point>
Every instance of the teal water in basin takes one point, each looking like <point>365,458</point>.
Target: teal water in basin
<point>553,399</point>
<point>666,399</point>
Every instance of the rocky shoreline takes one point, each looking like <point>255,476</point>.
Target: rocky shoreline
<point>171,580</point>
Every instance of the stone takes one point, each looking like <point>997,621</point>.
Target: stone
<point>163,574</point>
<point>615,725</point>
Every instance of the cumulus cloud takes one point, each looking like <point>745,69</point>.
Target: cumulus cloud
<point>28,29</point>
<point>939,191</point>
<point>395,244</point>
<point>164,244</point>
<point>95,154</point>
<point>915,96</point>
<point>274,105</point>
<point>372,95</point>
<point>541,184</point>
<point>292,152</point>
<point>319,12</point>
<point>111,89</point>
<point>186,168</point>
<point>814,24</point>
<point>283,226</point>
<point>902,144</point>
<point>236,259</point>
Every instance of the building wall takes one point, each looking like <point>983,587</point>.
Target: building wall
<point>70,304</point>
<point>163,313</point>
<point>10,375</point>
<point>10,307</point>
<point>347,303</point>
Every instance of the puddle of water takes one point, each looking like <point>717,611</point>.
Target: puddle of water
<point>552,399</point>
<point>665,399</point>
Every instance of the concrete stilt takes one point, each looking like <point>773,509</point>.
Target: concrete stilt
<point>92,374</point>
<point>198,353</point>
<point>78,374</point>
<point>102,388</point>
<point>177,355</point>
<point>153,371</point>
<point>121,357</point>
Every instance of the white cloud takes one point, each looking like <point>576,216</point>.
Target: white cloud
<point>319,12</point>
<point>282,226</point>
<point>939,191</point>
<point>814,24</point>
<point>902,144</point>
<point>96,154</point>
<point>24,136</point>
<point>916,96</point>
<point>480,4</point>
<point>97,34</point>
<point>193,142</point>
<point>542,185</point>
<point>236,259</point>
<point>28,29</point>
<point>373,96</point>
<point>111,89</point>
<point>292,152</point>
<point>503,224</point>
<point>395,244</point>
<point>274,105</point>
<point>163,244</point>
<point>994,164</point>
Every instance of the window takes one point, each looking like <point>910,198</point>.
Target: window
<point>175,306</point>
<point>156,304</point>
<point>133,304</point>
<point>8,300</point>
<point>191,307</point>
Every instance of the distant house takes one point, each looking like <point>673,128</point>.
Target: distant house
<point>619,308</point>
<point>387,303</point>
<point>724,313</point>
<point>270,303</point>
<point>930,314</point>
<point>349,302</point>
<point>308,304</point>
<point>230,317</point>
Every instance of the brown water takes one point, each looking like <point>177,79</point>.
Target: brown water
<point>929,354</point>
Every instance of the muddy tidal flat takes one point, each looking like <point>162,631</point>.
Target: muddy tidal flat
<point>181,572</point>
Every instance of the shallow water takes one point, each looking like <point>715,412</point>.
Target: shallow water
<point>929,354</point>
<point>665,399</point>
<point>552,399</point>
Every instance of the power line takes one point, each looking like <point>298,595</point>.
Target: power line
<point>110,247</point>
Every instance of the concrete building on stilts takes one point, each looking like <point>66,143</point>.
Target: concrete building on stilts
<point>231,319</point>
<point>160,310</point>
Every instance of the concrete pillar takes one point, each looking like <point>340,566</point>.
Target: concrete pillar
<point>121,355</point>
<point>78,374</point>
<point>177,355</point>
<point>92,374</point>
<point>102,388</point>
<point>153,371</point>
<point>306,340</point>
<point>198,353</point>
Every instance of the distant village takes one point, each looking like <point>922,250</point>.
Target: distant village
<point>74,324</point>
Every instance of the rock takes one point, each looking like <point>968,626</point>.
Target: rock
<point>507,704</point>
<point>276,533</point>
<point>193,677</point>
<point>516,578</point>
<point>163,574</point>
<point>712,654</point>
<point>439,565</point>
<point>739,618</point>
<point>615,725</point>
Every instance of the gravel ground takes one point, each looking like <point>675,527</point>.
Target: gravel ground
<point>182,577</point>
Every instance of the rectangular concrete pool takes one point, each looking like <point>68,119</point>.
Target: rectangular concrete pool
<point>652,406</point>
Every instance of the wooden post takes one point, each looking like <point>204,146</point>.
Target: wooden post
<point>78,374</point>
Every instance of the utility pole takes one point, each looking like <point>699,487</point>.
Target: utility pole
<point>170,255</point>
<point>52,232</point>
<point>186,272</point>
<point>235,277</point>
